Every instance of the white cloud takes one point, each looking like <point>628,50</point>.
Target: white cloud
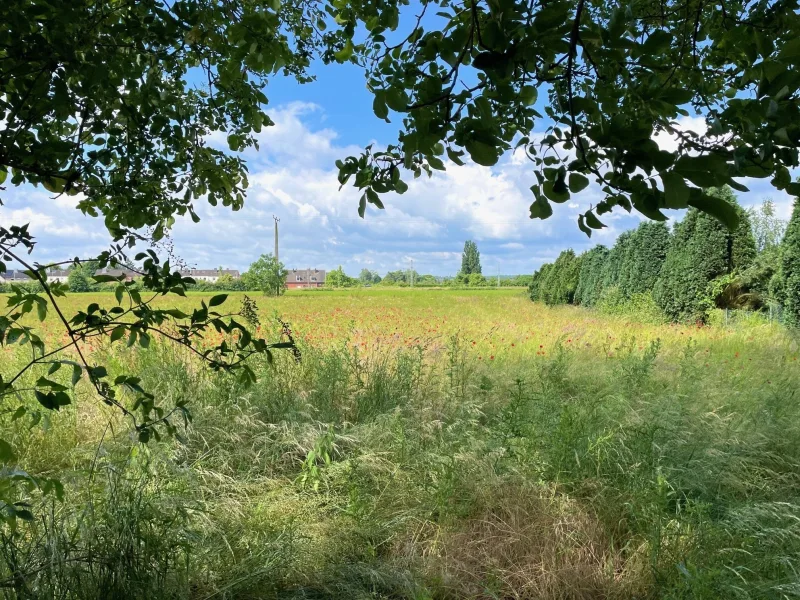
<point>42,222</point>
<point>669,141</point>
<point>293,177</point>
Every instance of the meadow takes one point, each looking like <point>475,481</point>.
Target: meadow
<point>435,444</point>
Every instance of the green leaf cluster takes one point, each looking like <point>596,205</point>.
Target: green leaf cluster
<point>266,274</point>
<point>608,78</point>
<point>470,259</point>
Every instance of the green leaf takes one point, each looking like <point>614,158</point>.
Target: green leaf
<point>592,221</point>
<point>104,278</point>
<point>528,95</point>
<point>52,400</point>
<point>549,189</point>
<point>98,372</point>
<point>582,226</point>
<point>379,106</point>
<point>118,333</point>
<point>577,182</point>
<point>373,198</point>
<point>704,171</point>
<point>676,192</point>
<point>716,207</point>
<point>362,205</point>
<point>397,99</point>
<point>345,53</point>
<point>676,96</point>
<point>790,50</point>
<point>47,383</point>
<point>481,153</point>
<point>76,374</point>
<point>6,452</point>
<point>455,156</point>
<point>218,299</point>
<point>541,209</point>
<point>41,309</point>
<point>658,41</point>
<point>54,184</point>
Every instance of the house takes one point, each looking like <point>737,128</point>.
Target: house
<point>129,275</point>
<point>305,278</point>
<point>19,276</point>
<point>14,276</point>
<point>58,275</point>
<point>210,275</point>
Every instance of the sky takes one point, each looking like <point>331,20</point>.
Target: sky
<point>293,177</point>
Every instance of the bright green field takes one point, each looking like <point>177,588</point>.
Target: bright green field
<point>431,444</point>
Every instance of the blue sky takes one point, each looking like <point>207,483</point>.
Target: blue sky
<point>293,177</point>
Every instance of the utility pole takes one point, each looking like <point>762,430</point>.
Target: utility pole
<point>276,238</point>
<point>498,277</point>
<point>412,272</point>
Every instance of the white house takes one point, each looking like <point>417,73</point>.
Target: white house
<point>19,276</point>
<point>210,275</point>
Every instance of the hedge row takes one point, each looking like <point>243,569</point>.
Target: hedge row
<point>698,266</point>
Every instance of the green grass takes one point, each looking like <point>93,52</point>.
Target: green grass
<point>432,444</point>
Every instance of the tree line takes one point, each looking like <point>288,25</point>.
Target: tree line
<point>686,272</point>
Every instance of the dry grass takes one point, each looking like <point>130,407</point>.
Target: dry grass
<point>526,543</point>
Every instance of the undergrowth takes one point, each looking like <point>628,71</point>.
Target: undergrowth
<point>629,469</point>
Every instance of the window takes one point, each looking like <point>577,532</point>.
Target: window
<point>299,278</point>
<point>313,279</point>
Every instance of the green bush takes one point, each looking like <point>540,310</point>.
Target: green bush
<point>556,283</point>
<point>702,250</point>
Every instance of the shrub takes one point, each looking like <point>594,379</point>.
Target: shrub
<point>702,250</point>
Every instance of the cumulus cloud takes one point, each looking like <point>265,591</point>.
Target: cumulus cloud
<point>293,176</point>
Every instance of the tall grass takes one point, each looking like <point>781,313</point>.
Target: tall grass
<point>618,465</point>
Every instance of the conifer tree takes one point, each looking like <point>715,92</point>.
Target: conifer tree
<point>702,250</point>
<point>536,287</point>
<point>644,258</point>
<point>790,269</point>
<point>590,281</point>
<point>612,269</point>
<point>562,279</point>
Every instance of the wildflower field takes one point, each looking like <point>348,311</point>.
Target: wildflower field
<point>430,444</point>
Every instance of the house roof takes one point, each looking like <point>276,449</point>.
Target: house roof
<point>305,275</point>
<point>20,275</point>
<point>15,275</point>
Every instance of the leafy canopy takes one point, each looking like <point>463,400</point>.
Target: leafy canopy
<point>470,259</point>
<point>478,80</point>
<point>113,103</point>
<point>266,274</point>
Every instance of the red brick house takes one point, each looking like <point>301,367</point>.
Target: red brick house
<point>305,278</point>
